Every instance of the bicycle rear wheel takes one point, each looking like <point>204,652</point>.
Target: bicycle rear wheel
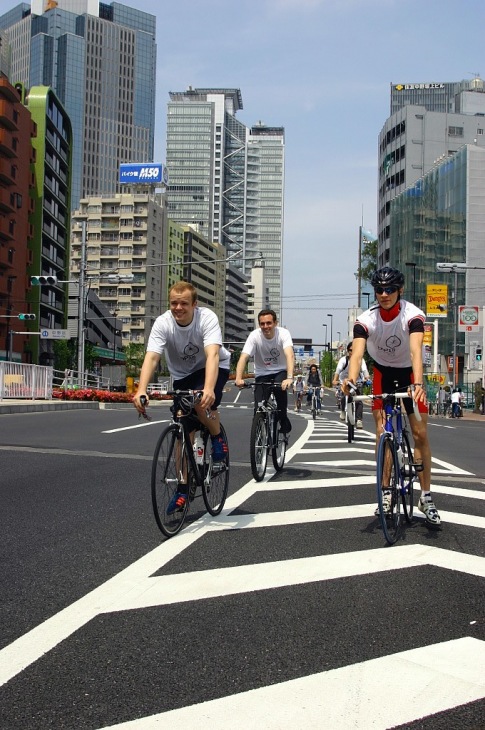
<point>278,452</point>
<point>407,476</point>
<point>258,446</point>
<point>169,468</point>
<point>388,478</point>
<point>216,477</point>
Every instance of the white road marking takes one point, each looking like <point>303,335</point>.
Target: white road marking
<point>202,584</point>
<point>437,678</point>
<point>137,425</point>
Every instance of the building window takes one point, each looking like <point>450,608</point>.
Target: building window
<point>455,131</point>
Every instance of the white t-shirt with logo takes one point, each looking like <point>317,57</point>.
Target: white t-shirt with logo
<point>184,346</point>
<point>342,370</point>
<point>269,355</point>
<point>388,342</point>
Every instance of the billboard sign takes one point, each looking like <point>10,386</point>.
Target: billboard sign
<point>436,300</point>
<point>134,173</point>
<point>468,318</point>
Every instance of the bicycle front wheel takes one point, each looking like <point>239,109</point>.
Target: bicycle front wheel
<point>278,452</point>
<point>169,468</point>
<point>258,446</point>
<point>388,478</point>
<point>216,478</point>
<point>407,477</point>
<point>350,421</point>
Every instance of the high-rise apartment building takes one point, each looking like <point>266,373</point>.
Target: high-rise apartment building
<point>227,179</point>
<point>50,246</point>
<point>123,237</point>
<point>264,205</point>
<point>428,123</point>
<point>17,188</point>
<point>100,60</point>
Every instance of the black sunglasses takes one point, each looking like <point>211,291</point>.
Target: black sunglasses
<point>385,289</point>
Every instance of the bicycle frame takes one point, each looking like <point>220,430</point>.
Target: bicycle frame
<point>175,464</point>
<point>395,464</point>
<point>265,435</point>
<point>270,408</point>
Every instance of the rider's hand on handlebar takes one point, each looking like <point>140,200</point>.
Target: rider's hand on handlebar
<point>239,382</point>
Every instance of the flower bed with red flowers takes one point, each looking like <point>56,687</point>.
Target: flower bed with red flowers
<point>102,396</point>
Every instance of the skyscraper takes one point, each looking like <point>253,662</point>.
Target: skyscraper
<point>227,179</point>
<point>100,60</point>
<point>428,122</point>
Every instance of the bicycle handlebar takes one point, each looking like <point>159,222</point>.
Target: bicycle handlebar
<point>397,394</point>
<point>252,385</point>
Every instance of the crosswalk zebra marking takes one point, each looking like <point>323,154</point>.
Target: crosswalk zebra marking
<point>436,678</point>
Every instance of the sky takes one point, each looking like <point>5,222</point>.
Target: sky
<point>322,69</point>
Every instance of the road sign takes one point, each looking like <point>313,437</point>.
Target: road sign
<point>468,318</point>
<point>55,335</point>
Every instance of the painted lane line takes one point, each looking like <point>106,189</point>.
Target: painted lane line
<point>218,582</point>
<point>137,425</point>
<point>437,678</point>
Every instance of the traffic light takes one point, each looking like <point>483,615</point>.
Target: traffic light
<point>478,354</point>
<point>27,316</point>
<point>43,280</point>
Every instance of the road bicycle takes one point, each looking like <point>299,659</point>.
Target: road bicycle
<point>298,400</point>
<point>396,469</point>
<point>179,460</point>
<point>350,417</point>
<point>314,402</point>
<point>266,436</point>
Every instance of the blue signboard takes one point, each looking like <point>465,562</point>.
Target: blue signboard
<point>142,173</point>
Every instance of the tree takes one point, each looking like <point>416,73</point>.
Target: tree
<point>134,354</point>
<point>65,354</point>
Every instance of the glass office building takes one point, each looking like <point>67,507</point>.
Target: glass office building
<point>441,218</point>
<point>100,59</point>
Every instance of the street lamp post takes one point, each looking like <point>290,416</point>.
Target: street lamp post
<point>331,339</point>
<point>453,268</point>
<point>411,263</point>
<point>114,313</point>
<point>325,340</point>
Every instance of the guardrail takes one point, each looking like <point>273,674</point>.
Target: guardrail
<point>25,381</point>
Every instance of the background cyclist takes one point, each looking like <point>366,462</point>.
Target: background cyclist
<point>314,380</point>
<point>393,332</point>
<point>342,372</point>
<point>274,359</point>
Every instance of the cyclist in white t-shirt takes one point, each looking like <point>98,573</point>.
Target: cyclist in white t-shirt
<point>341,372</point>
<point>274,360</point>
<point>191,339</point>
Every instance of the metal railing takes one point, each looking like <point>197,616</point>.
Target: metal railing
<point>24,381</point>
<point>70,380</point>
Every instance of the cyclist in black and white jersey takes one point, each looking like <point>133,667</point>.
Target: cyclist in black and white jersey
<point>393,333</point>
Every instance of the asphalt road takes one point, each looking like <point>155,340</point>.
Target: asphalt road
<point>287,611</point>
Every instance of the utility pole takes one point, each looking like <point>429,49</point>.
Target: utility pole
<point>81,333</point>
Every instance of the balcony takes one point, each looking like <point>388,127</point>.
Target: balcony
<point>6,173</point>
<point>8,115</point>
<point>7,143</point>
<point>5,202</point>
<point>6,230</point>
